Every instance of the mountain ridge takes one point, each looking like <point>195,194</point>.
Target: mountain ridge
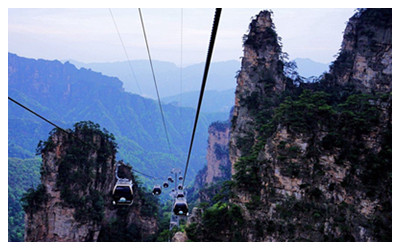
<point>308,68</point>
<point>221,76</point>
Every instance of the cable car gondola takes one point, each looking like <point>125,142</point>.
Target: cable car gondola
<point>180,187</point>
<point>165,185</point>
<point>181,207</point>
<point>180,194</point>
<point>170,179</point>
<point>180,178</point>
<point>123,193</point>
<point>157,190</point>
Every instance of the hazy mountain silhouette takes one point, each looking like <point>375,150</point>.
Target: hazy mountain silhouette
<point>221,76</point>
<point>213,100</point>
<point>307,67</point>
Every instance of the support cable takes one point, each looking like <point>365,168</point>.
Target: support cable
<point>41,117</point>
<point>51,123</point>
<point>154,79</point>
<point>137,83</point>
<point>126,53</point>
<point>148,176</point>
<point>180,97</point>
<point>203,85</point>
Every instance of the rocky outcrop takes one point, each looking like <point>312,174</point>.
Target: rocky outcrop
<point>365,58</point>
<point>303,177</point>
<point>179,237</point>
<point>218,168</point>
<point>218,164</point>
<point>261,74</point>
<point>74,200</point>
<point>310,161</point>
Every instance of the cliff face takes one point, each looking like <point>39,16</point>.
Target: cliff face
<point>319,168</point>
<point>54,220</point>
<point>73,202</point>
<point>261,72</point>
<point>309,162</point>
<point>218,166</point>
<point>217,152</point>
<point>366,52</point>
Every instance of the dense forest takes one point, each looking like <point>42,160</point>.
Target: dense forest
<point>22,176</point>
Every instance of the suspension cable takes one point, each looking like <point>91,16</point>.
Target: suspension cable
<point>41,117</point>
<point>126,53</point>
<point>180,96</point>
<point>203,85</point>
<point>51,123</point>
<point>67,132</point>
<point>148,176</point>
<point>154,79</point>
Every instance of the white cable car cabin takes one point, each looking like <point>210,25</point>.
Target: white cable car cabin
<point>181,207</point>
<point>180,187</point>
<point>157,190</point>
<point>170,179</point>
<point>165,185</point>
<point>123,193</point>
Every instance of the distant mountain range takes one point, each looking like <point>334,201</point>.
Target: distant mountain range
<point>220,88</point>
<point>213,100</point>
<point>168,75</point>
<point>307,67</point>
<point>66,95</point>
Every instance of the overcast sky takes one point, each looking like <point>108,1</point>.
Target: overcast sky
<point>89,35</point>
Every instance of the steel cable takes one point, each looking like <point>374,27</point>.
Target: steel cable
<point>155,81</point>
<point>203,85</point>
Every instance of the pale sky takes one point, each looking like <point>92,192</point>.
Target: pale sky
<point>89,35</point>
